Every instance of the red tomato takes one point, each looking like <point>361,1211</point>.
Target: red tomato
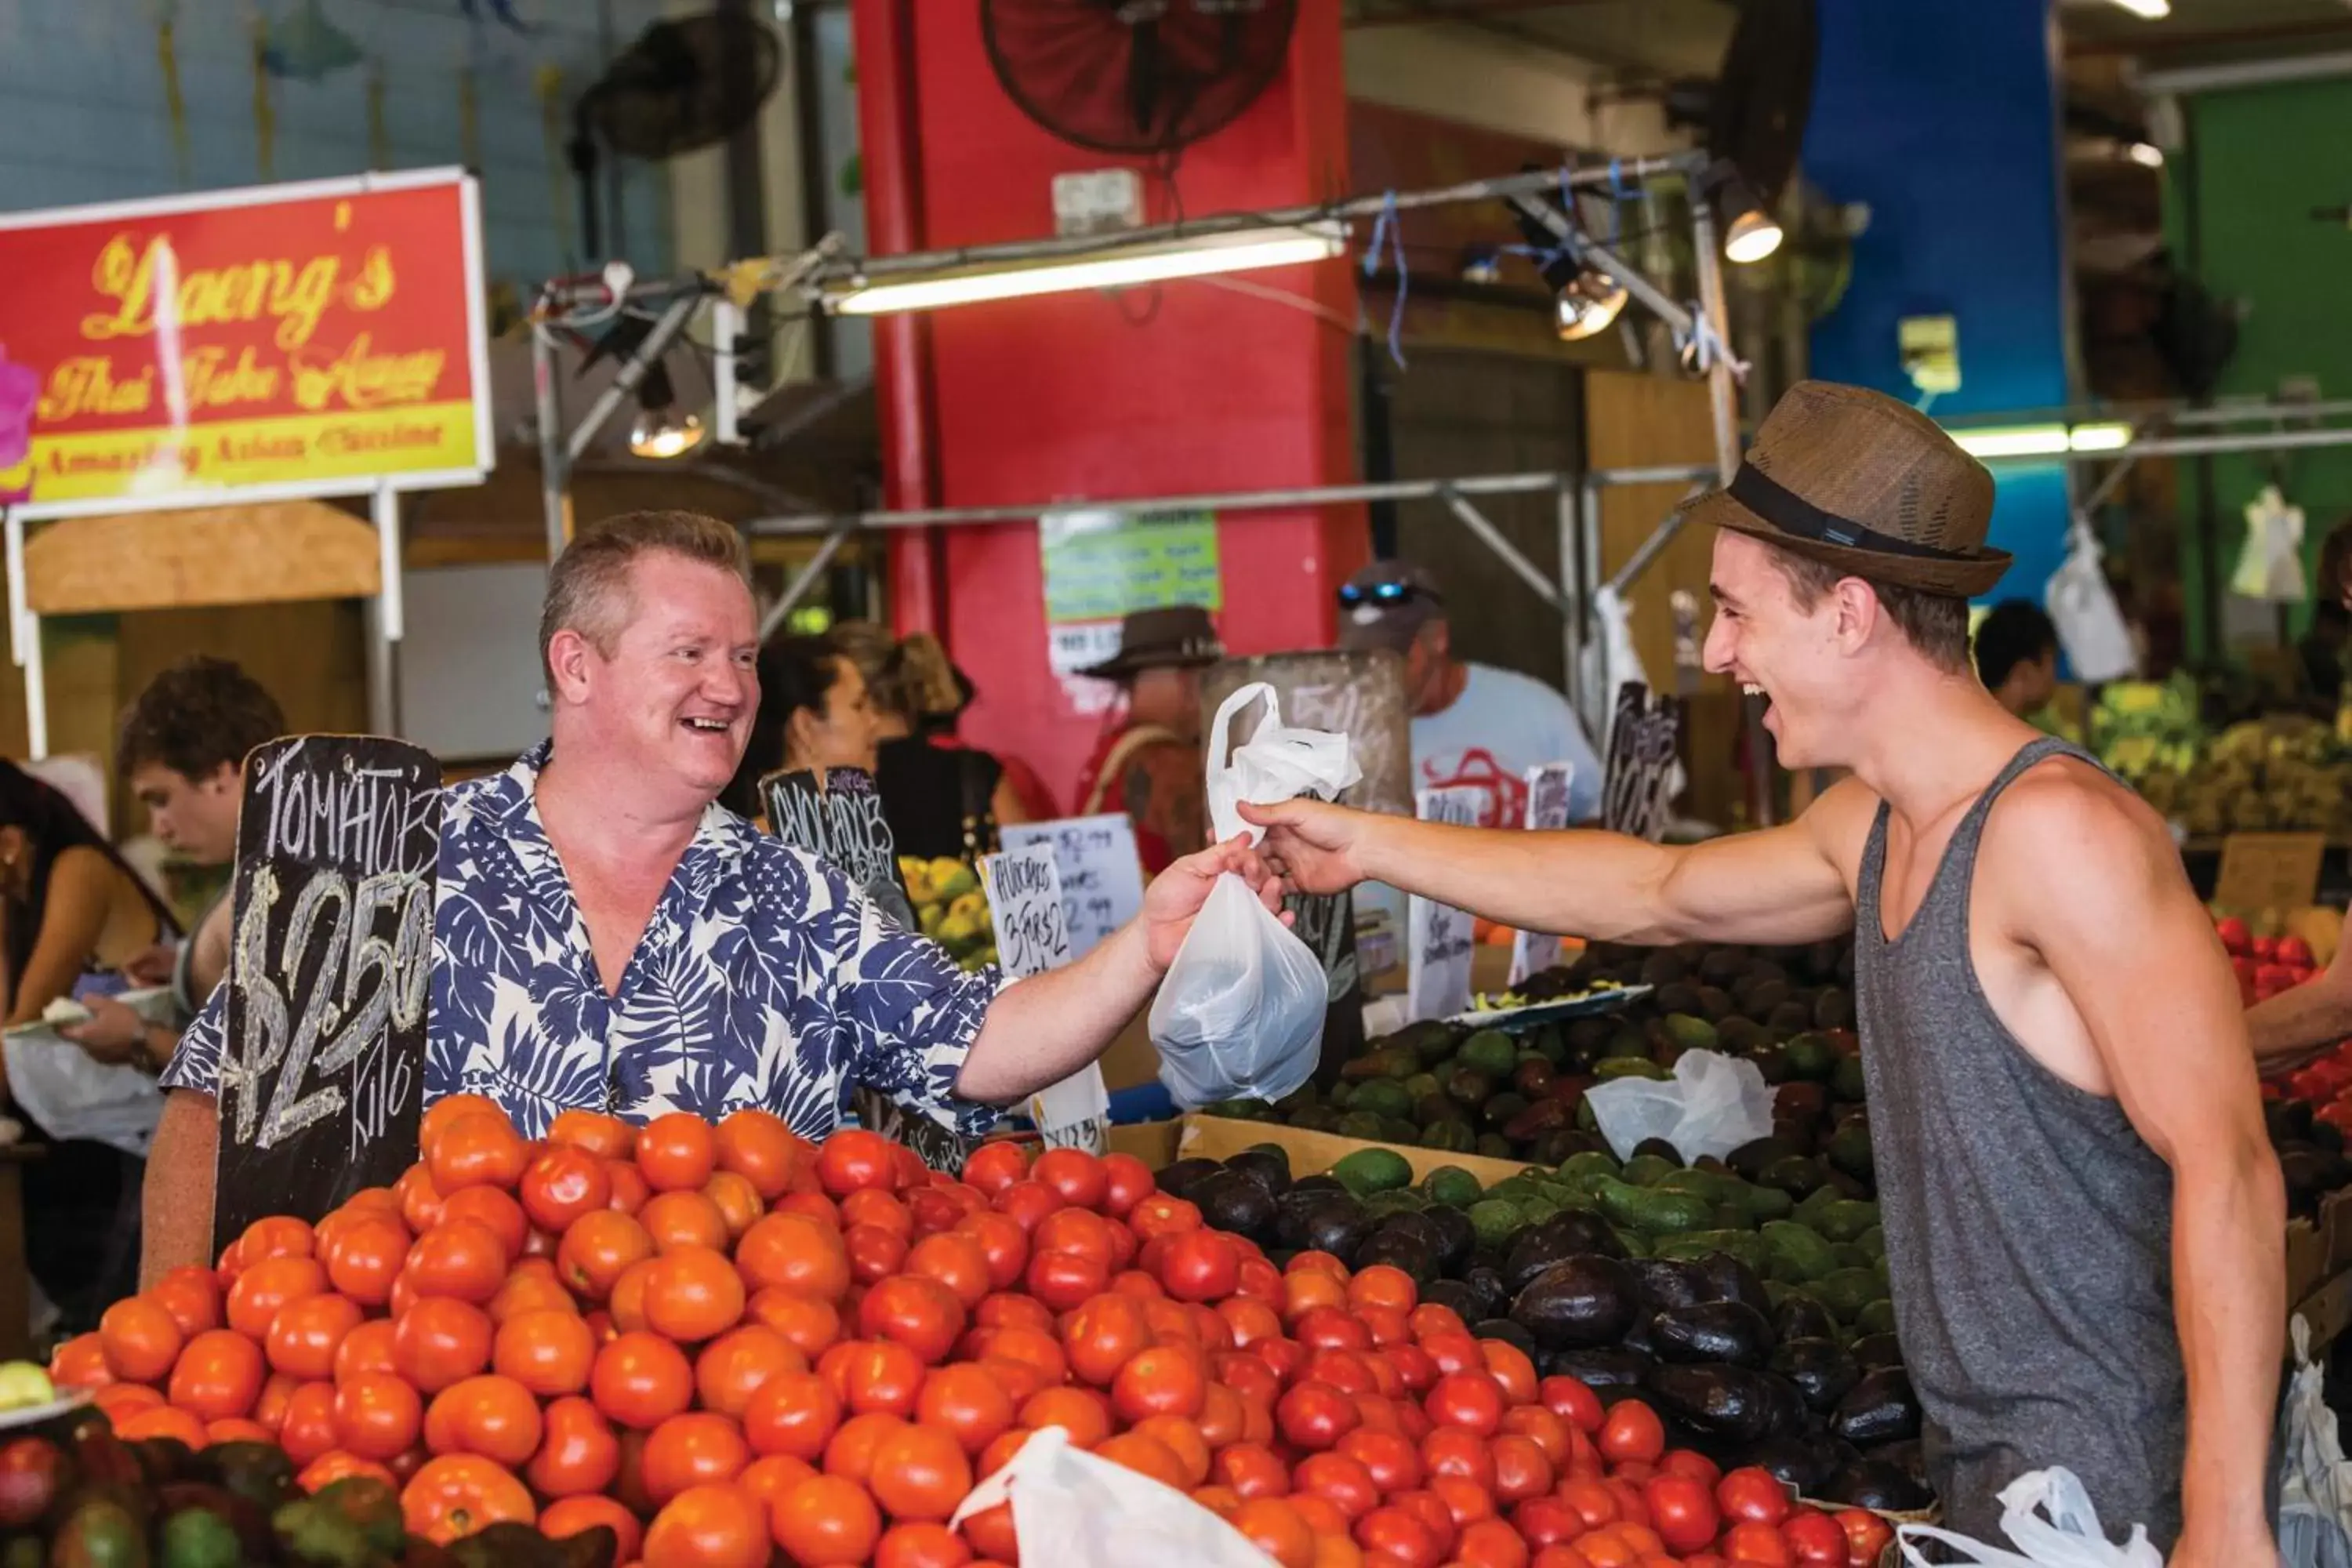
<point>1315,1417</point>
<point>1077,1176</point>
<point>1867,1536</point>
<point>1590,1501</point>
<point>1521,1470</point>
<point>1681,1511</point>
<point>1633,1431</point>
<point>1572,1403</point>
<point>1451,1452</point>
<point>1127,1183</point>
<point>1815,1540</point>
<point>1759,1543</point>
<point>1753,1495</point>
<point>1473,1400</point>
<point>1697,1467</point>
<point>1342,1481</point>
<point>1401,1534</point>
<point>1546,1522</point>
<point>1200,1265</point>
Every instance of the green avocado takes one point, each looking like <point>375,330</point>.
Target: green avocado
<point>1812,1057</point>
<point>1847,1219</point>
<point>1846,1080</point>
<point>198,1538</point>
<point>1495,1221</point>
<point>1648,1170</point>
<point>1688,1033</point>
<point>1364,1125</point>
<point>1632,1207</point>
<point>1796,1254</point>
<point>1489,1051</point>
<point>1370,1170</point>
<point>1610,1069</point>
<point>1848,1292</point>
<point>1454,1186</point>
<point>1382,1097</point>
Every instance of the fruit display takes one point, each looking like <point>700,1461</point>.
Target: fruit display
<point>1521,1096</point>
<point>1756,1319</point>
<point>2142,726</point>
<point>952,908</point>
<point>2265,965</point>
<point>23,1386</point>
<point>725,1346</point>
<point>2282,774</point>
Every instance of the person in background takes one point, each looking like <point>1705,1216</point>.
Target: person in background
<point>182,750</point>
<point>71,913</point>
<point>814,711</point>
<point>938,795</point>
<point>1473,725</point>
<point>2017,657</point>
<point>2322,646</point>
<point>1147,762</point>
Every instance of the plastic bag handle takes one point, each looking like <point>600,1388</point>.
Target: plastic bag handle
<point>1219,753</point>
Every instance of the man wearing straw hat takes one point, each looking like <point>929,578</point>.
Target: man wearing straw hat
<point>2084,1218</point>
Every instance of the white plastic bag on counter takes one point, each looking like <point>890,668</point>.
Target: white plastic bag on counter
<point>1070,1507</point>
<point>1275,764</point>
<point>2068,1537</point>
<point>1712,1105</point>
<point>1240,1014</point>
<point>2316,1490</point>
<point>70,1095</point>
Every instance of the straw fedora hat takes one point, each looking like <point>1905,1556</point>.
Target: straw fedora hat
<point>1867,484</point>
<point>1179,637</point>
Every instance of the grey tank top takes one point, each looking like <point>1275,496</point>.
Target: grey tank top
<point>2028,1227</point>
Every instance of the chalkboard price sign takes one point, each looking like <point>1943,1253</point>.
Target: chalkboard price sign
<point>1645,738</point>
<point>838,818</point>
<point>322,1077</point>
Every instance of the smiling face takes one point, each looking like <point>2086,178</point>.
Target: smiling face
<point>667,707</point>
<point>1798,658</point>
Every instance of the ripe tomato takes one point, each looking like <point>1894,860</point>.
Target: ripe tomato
<point>996,1165</point>
<point>1389,1457</point>
<point>684,1219</point>
<point>219,1375</point>
<point>606,1137</point>
<point>330,1467</point>
<point>140,1339</point>
<point>578,1454</point>
<point>1521,1469</point>
<point>367,1347</point>
<point>267,1286</point>
<point>629,1190</point>
<point>873,1252</point>
<point>915,1311</point>
<point>677,1153</point>
<point>1681,1511</point>
<point>1145,1456</point>
<point>1076,1177</point>
<point>1127,1181</point>
<point>967,1403</point>
<point>874,1375</point>
<point>698,1448</point>
<point>732,1367</point>
<point>641,1379</point>
<point>709,1526</point>
<point>794,1413</point>
<point>1275,1528</point>
<point>479,1148</point>
<point>1632,1432</point>
<point>305,1335</point>
<point>1697,1467</point>
<point>825,1520</point>
<point>1165,1380</point>
<point>1156,1214</point>
<point>1103,1334</point>
<point>693,1294</point>
<point>955,1259</point>
<point>493,1209</point>
<point>439,1341</point>
<point>366,1256</point>
<point>807,1323</point>
<point>597,1249</point>
<point>569,1516</point>
<point>792,1252</point>
<point>921,1474</point>
<point>758,1146</point>
<point>1026,1203</point>
<point>376,1415</point>
<point>1063,1280</point>
<point>1004,1241</point>
<point>1200,1265</point>
<point>493,1416</point>
<point>1815,1540</point>
<point>1470,1400</point>
<point>1867,1536</point>
<point>459,1494</point>
<point>191,1295</point>
<point>1084,1415</point>
<point>1752,1494</point>
<point>1314,1417</point>
<point>1454,1451</point>
<point>549,1352</point>
<point>853,1160</point>
<point>306,1426</point>
<point>920,1546</point>
<point>1402,1534</point>
<point>1748,1543</point>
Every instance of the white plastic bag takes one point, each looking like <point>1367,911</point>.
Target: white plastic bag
<point>1712,1105</point>
<point>2070,1537</point>
<point>69,1095</point>
<point>2091,625</point>
<point>1071,1508</point>
<point>1240,1014</point>
<point>2316,1490</point>
<point>2270,563</point>
<point>1275,764</point>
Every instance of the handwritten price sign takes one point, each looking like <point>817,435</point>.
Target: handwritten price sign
<point>330,965</point>
<point>1439,937</point>
<point>1024,899</point>
<point>1548,798</point>
<point>1101,872</point>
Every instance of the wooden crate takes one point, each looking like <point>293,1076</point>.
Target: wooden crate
<point>1215,1137</point>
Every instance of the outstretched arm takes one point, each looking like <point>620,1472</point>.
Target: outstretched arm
<point>2297,1025</point>
<point>2127,939</point>
<point>1782,885</point>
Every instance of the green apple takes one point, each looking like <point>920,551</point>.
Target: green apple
<point>23,1385</point>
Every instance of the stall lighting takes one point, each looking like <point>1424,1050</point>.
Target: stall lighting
<point>659,430</point>
<point>2043,440</point>
<point>2148,154</point>
<point>1588,305</point>
<point>2153,10</point>
<point>1113,266</point>
<point>1752,236</point>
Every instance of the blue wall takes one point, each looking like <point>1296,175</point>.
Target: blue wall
<point>1942,116</point>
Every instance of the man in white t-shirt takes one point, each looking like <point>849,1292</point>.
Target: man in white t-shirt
<point>1471,725</point>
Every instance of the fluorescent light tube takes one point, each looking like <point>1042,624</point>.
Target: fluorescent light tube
<point>1112,266</point>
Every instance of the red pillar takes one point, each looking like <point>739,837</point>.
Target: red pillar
<point>1192,387</point>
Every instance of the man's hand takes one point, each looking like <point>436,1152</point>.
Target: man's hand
<point>152,965</point>
<point>1311,844</point>
<point>114,1033</point>
<point>1176,895</point>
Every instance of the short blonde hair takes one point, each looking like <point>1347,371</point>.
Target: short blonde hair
<point>588,588</point>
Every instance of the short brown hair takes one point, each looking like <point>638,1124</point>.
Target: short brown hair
<point>1937,625</point>
<point>587,588</point>
<point>196,716</point>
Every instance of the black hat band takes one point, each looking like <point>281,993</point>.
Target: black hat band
<point>1791,513</point>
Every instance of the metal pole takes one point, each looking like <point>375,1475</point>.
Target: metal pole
<point>25,638</point>
<point>1722,393</point>
<point>1642,558</point>
<point>1571,595</point>
<point>1214,500</point>
<point>1478,523</point>
<point>2197,445</point>
<point>726,322</point>
<point>797,589</point>
<point>555,464</point>
<point>1602,692</point>
<point>390,616</point>
<point>632,371</point>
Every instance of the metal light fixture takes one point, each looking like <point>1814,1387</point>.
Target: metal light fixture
<point>2043,440</point>
<point>2152,10</point>
<point>1110,265</point>
<point>1587,304</point>
<point>659,430</point>
<point>2148,154</point>
<point>1749,233</point>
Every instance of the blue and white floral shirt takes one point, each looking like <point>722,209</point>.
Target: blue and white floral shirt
<point>764,979</point>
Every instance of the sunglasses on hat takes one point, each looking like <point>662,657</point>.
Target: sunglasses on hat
<point>1382,593</point>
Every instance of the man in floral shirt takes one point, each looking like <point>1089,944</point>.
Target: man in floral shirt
<point>606,936</point>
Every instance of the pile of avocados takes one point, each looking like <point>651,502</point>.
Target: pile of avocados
<point>1752,1317</point>
<point>1521,1096</point>
<point>2310,1153</point>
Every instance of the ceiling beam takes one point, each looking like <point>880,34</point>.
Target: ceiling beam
<point>2162,41</point>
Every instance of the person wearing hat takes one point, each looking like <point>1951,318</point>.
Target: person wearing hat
<point>2084,1218</point>
<point>1474,726</point>
<point>1148,762</point>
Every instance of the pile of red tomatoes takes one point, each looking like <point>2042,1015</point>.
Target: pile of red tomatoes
<point>733,1347</point>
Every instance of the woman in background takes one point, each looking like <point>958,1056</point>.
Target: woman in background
<point>942,799</point>
<point>71,912</point>
<point>815,712</point>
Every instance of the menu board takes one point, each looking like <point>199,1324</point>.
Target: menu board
<point>835,815</point>
<point>322,1066</point>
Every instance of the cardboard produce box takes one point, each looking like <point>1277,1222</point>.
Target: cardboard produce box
<point>1311,1153</point>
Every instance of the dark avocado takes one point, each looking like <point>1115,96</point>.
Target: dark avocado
<point>1487,1281</point>
<point>1266,1162</point>
<point>1659,1149</point>
<point>1454,1234</point>
<point>1753,1158</point>
<point>1720,1400</point>
<point>1869,1484</point>
<point>1403,1249</point>
<point>1727,1332</point>
<point>1468,1303</point>
<point>1806,1463</point>
<point>1179,1179</point>
<point>1800,1317</point>
<point>1667,1282</point>
<point>1237,1201</point>
<point>1823,1371</point>
<point>1566,1234</point>
<point>1873,1352</point>
<point>1729,1279</point>
<point>1338,1226</point>
<point>1598,1367</point>
<point>1881,1408</point>
<point>1585,1299</point>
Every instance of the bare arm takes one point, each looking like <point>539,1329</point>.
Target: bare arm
<point>1045,1028</point>
<point>1005,803</point>
<point>1782,885</point>
<point>177,1204</point>
<point>2305,1022</point>
<point>81,892</point>
<point>2127,939</point>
